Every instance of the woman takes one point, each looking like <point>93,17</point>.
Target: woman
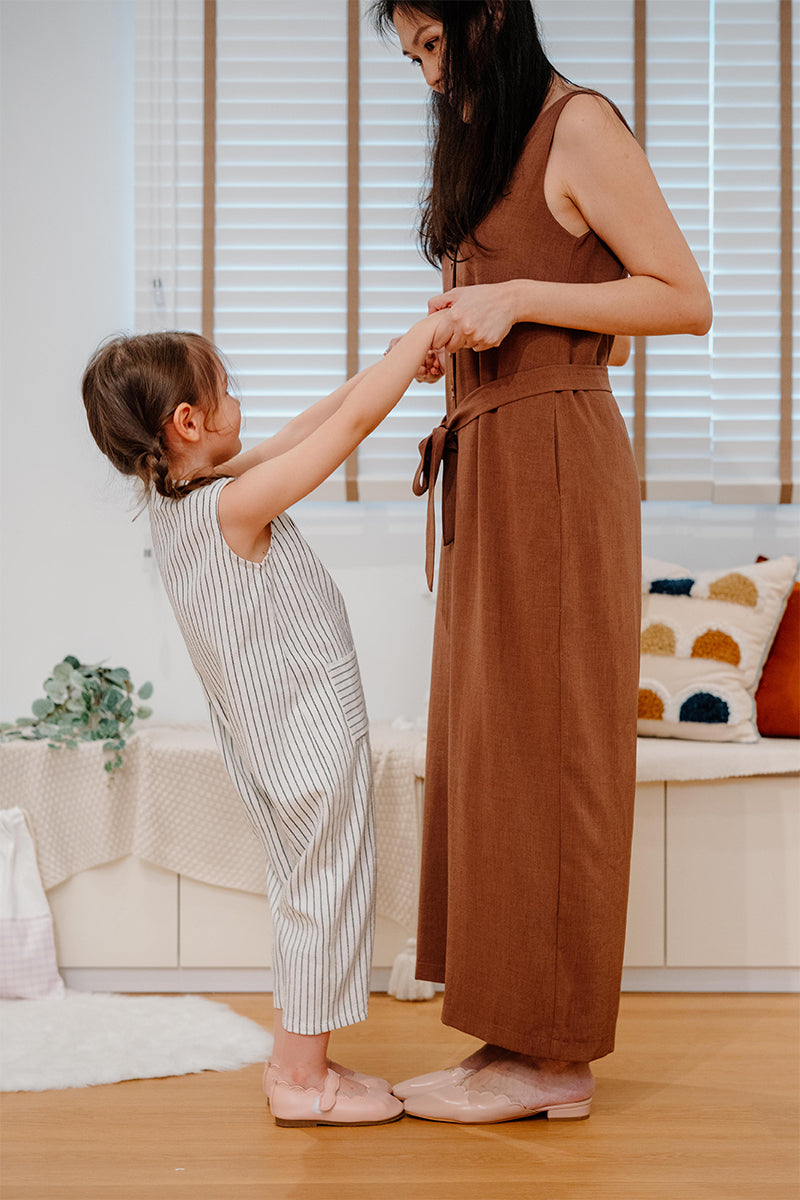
<point>553,237</point>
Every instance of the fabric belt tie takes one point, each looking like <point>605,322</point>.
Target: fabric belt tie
<point>539,381</point>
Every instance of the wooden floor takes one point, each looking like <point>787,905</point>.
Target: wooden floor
<point>699,1101</point>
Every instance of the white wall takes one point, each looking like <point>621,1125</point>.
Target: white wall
<point>75,578</point>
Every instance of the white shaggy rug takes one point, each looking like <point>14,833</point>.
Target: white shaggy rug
<point>90,1037</point>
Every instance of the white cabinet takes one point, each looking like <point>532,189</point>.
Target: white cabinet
<point>644,940</point>
<point>733,873</point>
<point>122,914</point>
<point>222,928</point>
<point>714,884</point>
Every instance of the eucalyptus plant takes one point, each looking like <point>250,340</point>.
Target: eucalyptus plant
<point>84,703</point>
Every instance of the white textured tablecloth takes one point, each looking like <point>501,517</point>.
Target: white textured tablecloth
<point>173,805</point>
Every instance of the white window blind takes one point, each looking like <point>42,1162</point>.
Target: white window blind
<point>395,281</point>
<point>678,134</point>
<point>593,46</point>
<point>795,332</point>
<point>747,245</point>
<point>281,206</point>
<point>169,164</point>
<point>713,139</point>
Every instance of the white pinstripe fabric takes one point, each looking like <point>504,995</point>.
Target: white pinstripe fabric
<point>272,646</point>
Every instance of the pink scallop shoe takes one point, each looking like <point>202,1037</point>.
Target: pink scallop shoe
<point>295,1106</point>
<point>430,1082</point>
<point>374,1082</point>
<point>368,1081</point>
<point>455,1103</point>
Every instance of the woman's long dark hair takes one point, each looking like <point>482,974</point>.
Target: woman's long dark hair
<point>494,78</point>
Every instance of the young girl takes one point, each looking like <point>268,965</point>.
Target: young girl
<point>268,635</point>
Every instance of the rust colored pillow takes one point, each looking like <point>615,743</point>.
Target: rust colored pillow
<point>778,694</point>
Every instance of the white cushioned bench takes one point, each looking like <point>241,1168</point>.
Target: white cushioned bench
<point>155,884</point>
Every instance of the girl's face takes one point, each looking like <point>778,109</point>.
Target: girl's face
<point>222,430</point>
<point>421,41</point>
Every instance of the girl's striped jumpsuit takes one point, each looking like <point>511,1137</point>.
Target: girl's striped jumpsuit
<point>272,646</point>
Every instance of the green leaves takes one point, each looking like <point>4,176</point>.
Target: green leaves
<point>84,703</point>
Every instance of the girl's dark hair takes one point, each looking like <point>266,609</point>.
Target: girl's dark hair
<point>494,79</point>
<point>131,388</point>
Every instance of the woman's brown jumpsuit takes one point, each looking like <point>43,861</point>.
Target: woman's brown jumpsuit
<point>531,758</point>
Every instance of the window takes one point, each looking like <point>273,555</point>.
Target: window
<point>713,405</point>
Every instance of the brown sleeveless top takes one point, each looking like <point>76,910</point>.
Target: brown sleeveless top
<point>521,239</point>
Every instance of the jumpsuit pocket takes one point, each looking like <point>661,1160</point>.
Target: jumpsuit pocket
<point>346,680</point>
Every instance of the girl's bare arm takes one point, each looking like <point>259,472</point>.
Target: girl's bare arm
<point>253,499</point>
<point>293,432</point>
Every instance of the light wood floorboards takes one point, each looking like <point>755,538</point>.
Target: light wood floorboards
<point>698,1102</point>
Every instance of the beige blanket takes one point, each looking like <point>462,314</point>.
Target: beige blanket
<point>173,805</point>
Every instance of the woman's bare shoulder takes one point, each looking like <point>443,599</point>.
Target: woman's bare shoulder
<point>587,117</point>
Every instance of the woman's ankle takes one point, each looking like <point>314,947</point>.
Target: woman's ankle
<point>482,1057</point>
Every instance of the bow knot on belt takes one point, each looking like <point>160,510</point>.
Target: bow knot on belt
<point>442,442</point>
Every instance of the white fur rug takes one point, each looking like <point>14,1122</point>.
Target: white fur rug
<point>90,1037</point>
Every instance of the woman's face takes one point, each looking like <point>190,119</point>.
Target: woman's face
<point>421,41</point>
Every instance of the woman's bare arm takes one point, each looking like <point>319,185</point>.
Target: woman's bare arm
<point>605,175</point>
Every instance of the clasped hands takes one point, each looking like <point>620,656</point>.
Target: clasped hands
<point>478,317</point>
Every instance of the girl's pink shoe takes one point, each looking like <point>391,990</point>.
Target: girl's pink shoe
<point>293,1105</point>
<point>373,1082</point>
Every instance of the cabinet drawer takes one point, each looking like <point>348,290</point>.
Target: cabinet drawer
<point>644,939</point>
<point>121,914</point>
<point>733,886</point>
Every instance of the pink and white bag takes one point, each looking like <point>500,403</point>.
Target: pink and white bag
<point>28,967</point>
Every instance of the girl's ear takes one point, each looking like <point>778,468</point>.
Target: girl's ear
<point>185,424</point>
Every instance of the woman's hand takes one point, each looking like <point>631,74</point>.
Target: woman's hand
<point>481,315</point>
<point>430,370</point>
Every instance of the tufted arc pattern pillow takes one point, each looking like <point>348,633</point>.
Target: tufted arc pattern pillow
<point>705,638</point>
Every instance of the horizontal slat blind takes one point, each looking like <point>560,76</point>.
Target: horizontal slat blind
<point>395,281</point>
<point>169,163</point>
<point>795,7</point>
<point>713,120</point>
<point>678,388</point>
<point>592,44</point>
<point>281,206</point>
<point>747,286</point>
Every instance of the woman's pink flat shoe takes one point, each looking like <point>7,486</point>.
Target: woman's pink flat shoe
<point>455,1103</point>
<point>430,1082</point>
<point>295,1106</point>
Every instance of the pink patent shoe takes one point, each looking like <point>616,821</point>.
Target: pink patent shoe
<point>457,1104</point>
<point>373,1082</point>
<point>428,1083</point>
<point>295,1106</point>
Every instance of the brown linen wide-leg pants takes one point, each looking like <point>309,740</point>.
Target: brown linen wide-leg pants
<point>531,765</point>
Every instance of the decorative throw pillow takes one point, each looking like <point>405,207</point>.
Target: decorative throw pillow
<point>778,694</point>
<point>705,638</point>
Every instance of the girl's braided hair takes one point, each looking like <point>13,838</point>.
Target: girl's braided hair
<point>131,388</point>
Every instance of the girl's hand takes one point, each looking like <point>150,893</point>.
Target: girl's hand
<point>481,316</point>
<point>430,370</point>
